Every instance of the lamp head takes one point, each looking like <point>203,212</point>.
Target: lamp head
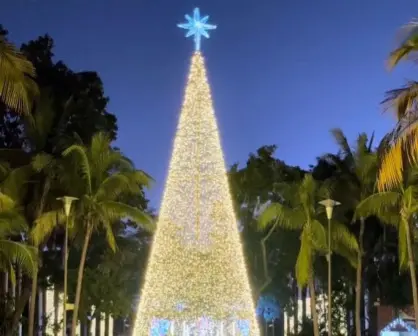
<point>329,205</point>
<point>67,200</point>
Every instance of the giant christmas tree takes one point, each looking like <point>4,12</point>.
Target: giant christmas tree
<point>196,281</point>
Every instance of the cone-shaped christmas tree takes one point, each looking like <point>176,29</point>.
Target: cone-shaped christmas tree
<point>196,281</point>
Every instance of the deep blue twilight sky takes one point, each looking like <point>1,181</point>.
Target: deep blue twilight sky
<point>282,71</point>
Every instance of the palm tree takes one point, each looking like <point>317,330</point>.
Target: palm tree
<point>40,127</point>
<point>104,178</point>
<point>398,207</point>
<point>13,224</point>
<point>300,211</point>
<point>17,85</point>
<point>41,159</point>
<point>356,170</point>
<point>404,137</point>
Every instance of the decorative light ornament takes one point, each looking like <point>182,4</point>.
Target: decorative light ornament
<point>398,322</point>
<point>196,281</point>
<point>197,27</point>
<point>268,308</point>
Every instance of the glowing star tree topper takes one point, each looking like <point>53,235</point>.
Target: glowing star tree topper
<point>197,27</point>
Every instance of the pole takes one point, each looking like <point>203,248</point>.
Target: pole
<point>329,205</point>
<point>64,317</point>
<point>66,200</point>
<point>329,280</point>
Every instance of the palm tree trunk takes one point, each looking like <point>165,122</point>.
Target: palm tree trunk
<point>64,314</point>
<point>303,305</point>
<point>288,322</point>
<point>20,306</point>
<point>314,313</point>
<point>80,279</point>
<point>98,321</point>
<point>359,272</point>
<point>32,306</point>
<point>412,271</point>
<point>106,325</point>
<point>3,293</point>
<point>296,308</point>
<point>34,290</point>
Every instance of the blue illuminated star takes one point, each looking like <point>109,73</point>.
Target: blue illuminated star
<point>197,27</point>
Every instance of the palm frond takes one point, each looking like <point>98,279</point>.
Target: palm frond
<point>366,170</point>
<point>327,188</point>
<point>403,246</point>
<point>6,202</point>
<point>38,126</point>
<point>369,146</point>
<point>342,142</point>
<point>308,193</point>
<point>41,161</point>
<point>341,236</point>
<point>402,100</point>
<point>379,204</point>
<point>288,192</point>
<point>285,217</point>
<point>122,163</point>
<point>110,236</point>
<point>14,184</point>
<point>5,166</point>
<point>82,160</point>
<point>12,223</point>
<point>101,155</point>
<point>361,145</point>
<point>347,254</point>
<point>23,255</point>
<point>408,46</point>
<point>318,235</point>
<point>303,268</point>
<point>391,170</point>
<point>45,224</point>
<point>17,87</point>
<point>12,274</point>
<point>142,178</point>
<point>118,211</point>
<point>117,184</point>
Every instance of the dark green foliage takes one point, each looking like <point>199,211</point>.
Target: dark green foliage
<point>70,109</point>
<point>256,183</point>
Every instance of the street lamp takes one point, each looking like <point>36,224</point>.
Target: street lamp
<point>67,200</point>
<point>329,205</point>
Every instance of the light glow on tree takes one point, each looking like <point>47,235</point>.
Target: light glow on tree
<point>196,280</point>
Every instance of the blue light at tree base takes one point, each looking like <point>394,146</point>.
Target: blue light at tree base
<point>396,323</point>
<point>160,327</point>
<point>268,308</point>
<point>201,327</point>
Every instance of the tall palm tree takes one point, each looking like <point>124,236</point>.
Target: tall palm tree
<point>403,144</point>
<point>13,224</point>
<point>398,207</point>
<point>17,85</point>
<point>41,158</point>
<point>104,178</point>
<point>300,211</point>
<point>356,170</point>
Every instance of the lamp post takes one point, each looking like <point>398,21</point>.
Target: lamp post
<point>67,201</point>
<point>329,205</point>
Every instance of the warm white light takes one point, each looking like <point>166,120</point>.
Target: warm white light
<point>196,269</point>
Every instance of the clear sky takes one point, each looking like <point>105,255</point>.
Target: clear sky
<point>282,71</point>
